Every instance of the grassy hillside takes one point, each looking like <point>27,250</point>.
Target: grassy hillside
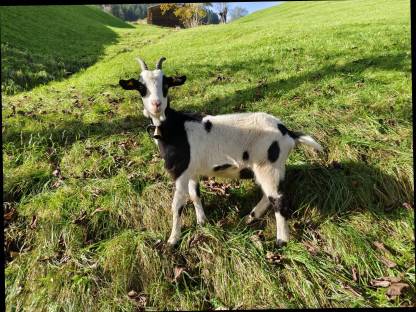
<point>88,199</point>
<point>43,43</point>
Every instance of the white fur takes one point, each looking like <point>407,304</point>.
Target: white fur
<point>230,136</point>
<point>225,143</point>
<point>153,81</point>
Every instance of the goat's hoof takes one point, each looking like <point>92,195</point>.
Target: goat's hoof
<point>172,242</point>
<point>280,243</point>
<point>250,219</point>
<point>202,221</point>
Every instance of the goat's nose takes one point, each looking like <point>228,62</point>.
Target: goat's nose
<point>156,103</point>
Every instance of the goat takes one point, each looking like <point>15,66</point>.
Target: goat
<point>242,145</point>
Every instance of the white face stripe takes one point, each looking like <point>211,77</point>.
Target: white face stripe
<point>153,80</point>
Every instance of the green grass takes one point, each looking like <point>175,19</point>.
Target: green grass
<point>340,71</point>
<point>68,39</point>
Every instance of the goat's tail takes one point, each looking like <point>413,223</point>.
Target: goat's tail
<point>306,139</point>
<point>299,137</point>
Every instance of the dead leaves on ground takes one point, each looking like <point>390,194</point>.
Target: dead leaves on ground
<point>212,186</point>
<point>140,300</point>
<point>394,284</point>
<point>387,262</point>
<point>274,258</point>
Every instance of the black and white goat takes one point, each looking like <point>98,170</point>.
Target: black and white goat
<point>244,145</point>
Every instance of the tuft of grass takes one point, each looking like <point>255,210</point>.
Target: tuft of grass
<point>88,200</point>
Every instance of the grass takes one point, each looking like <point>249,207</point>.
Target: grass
<point>35,53</point>
<point>87,234</point>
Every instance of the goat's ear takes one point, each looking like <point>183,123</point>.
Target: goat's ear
<point>131,84</point>
<point>176,81</point>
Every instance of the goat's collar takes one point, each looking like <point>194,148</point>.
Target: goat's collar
<point>157,134</point>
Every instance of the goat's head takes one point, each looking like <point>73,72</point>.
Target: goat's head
<point>153,87</point>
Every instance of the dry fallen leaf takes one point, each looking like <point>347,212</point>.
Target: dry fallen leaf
<point>81,217</point>
<point>380,246</point>
<point>380,283</point>
<point>34,222</point>
<point>8,216</point>
<point>407,206</point>
<point>97,210</point>
<point>197,239</point>
<point>354,274</point>
<point>274,258</point>
<point>313,249</point>
<point>395,289</point>
<point>385,281</point>
<point>178,271</point>
<point>350,289</point>
<point>387,262</point>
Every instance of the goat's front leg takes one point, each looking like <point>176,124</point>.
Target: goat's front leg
<point>179,200</point>
<point>194,193</point>
<point>259,210</point>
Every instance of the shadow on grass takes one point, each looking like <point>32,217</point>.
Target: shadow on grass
<point>241,98</point>
<point>336,191</point>
<point>75,39</point>
<point>70,131</point>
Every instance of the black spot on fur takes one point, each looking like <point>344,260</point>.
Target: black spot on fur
<point>207,125</point>
<point>276,203</point>
<point>280,205</point>
<point>246,173</point>
<point>282,128</point>
<point>222,167</point>
<point>174,144</point>
<point>294,135</point>
<point>273,151</point>
<point>246,156</point>
<point>198,192</point>
<point>180,210</point>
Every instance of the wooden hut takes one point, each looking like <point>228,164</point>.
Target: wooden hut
<point>155,17</point>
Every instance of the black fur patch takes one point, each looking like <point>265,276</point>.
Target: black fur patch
<point>198,192</point>
<point>280,205</point>
<point>180,210</point>
<point>294,135</point>
<point>222,167</point>
<point>174,145</point>
<point>282,128</point>
<point>276,203</point>
<point>207,125</point>
<point>246,156</point>
<point>273,151</point>
<point>246,173</point>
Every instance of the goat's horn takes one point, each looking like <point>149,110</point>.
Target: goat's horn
<point>159,63</point>
<point>142,63</point>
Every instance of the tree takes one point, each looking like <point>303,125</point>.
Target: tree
<point>211,18</point>
<point>238,12</point>
<point>190,14</point>
<point>127,12</point>
<point>222,8</point>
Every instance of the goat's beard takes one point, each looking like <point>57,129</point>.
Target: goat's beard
<point>157,120</point>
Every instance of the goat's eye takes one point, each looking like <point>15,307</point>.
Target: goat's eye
<point>165,89</point>
<point>143,90</point>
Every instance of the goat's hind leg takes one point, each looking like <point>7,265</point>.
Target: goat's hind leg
<point>179,201</point>
<point>268,178</point>
<point>194,193</point>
